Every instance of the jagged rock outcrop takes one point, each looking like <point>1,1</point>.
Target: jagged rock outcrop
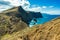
<point>26,16</point>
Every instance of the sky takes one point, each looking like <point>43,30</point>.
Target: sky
<point>43,6</point>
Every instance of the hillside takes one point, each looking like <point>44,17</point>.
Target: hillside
<point>19,12</point>
<point>16,19</point>
<point>10,22</point>
<point>14,25</point>
<point>47,31</point>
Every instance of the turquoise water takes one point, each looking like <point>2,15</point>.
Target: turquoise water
<point>46,18</point>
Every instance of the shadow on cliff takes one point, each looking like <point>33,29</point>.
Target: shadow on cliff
<point>27,16</point>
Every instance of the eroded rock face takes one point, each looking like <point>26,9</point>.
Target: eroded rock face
<point>27,16</point>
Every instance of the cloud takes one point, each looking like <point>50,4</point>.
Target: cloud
<point>6,4</point>
<point>52,12</point>
<point>44,6</point>
<point>55,12</point>
<point>13,2</point>
<point>24,3</point>
<point>17,2</point>
<point>51,6</point>
<point>35,9</point>
<point>4,7</point>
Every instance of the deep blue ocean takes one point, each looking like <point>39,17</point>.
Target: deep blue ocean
<point>46,18</point>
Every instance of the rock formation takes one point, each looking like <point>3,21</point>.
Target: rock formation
<point>26,16</point>
<point>15,19</point>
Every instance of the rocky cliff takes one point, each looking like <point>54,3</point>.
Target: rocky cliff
<point>15,19</point>
<point>26,16</point>
<point>47,31</point>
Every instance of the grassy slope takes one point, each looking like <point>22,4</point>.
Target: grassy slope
<point>9,23</point>
<point>47,31</point>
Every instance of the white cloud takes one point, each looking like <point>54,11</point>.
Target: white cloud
<point>14,3</point>
<point>26,5</point>
<point>52,12</point>
<point>3,7</point>
<point>18,2</point>
<point>44,6</point>
<point>36,9</point>
<point>51,6</point>
<point>55,12</point>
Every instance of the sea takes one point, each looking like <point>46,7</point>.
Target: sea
<point>44,19</point>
